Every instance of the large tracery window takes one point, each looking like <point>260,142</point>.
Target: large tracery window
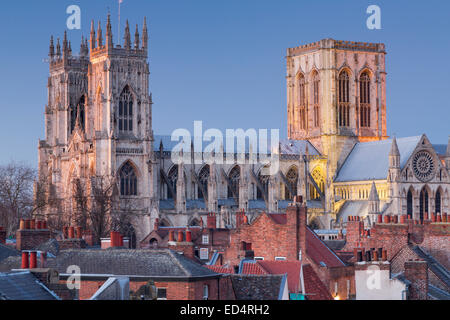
<point>128,180</point>
<point>364,99</point>
<point>126,111</point>
<point>301,101</point>
<point>203,177</point>
<point>173,177</point>
<point>292,179</point>
<point>344,100</point>
<point>437,202</point>
<point>316,108</point>
<point>264,180</point>
<point>233,187</point>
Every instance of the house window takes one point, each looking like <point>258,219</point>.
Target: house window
<point>161,294</point>
<point>438,202</point>
<point>344,99</point>
<point>259,258</point>
<point>204,254</point>
<point>205,239</point>
<point>205,292</point>
<point>280,258</point>
<point>364,98</point>
<point>126,111</point>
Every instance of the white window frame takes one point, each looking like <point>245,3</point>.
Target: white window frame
<point>157,289</point>
<point>205,239</point>
<point>259,258</point>
<point>280,258</point>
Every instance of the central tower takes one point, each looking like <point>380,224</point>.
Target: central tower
<point>336,95</point>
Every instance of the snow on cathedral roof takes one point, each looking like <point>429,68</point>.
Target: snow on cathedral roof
<point>370,160</point>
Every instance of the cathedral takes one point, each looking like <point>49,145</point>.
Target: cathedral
<point>98,123</point>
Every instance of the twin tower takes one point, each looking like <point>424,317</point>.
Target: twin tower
<point>98,119</point>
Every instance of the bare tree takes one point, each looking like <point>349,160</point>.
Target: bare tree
<point>16,194</point>
<point>98,207</point>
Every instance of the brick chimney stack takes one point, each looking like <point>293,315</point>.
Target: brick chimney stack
<point>2,236</point>
<point>28,238</point>
<point>417,273</point>
<point>185,247</point>
<point>211,221</point>
<point>296,219</point>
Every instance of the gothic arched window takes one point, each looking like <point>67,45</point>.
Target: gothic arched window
<point>233,187</point>
<point>203,178</point>
<point>128,180</point>
<point>292,178</point>
<point>364,99</point>
<point>409,204</point>
<point>316,100</point>
<point>344,99</point>
<point>320,181</point>
<point>437,202</point>
<point>173,177</point>
<point>301,101</point>
<point>126,111</point>
<point>264,180</point>
<point>423,203</point>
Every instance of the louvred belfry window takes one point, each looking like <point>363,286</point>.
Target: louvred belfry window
<point>301,101</point>
<point>316,82</point>
<point>364,96</point>
<point>344,100</point>
<point>126,111</point>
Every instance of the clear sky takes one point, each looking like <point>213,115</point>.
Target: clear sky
<point>222,61</point>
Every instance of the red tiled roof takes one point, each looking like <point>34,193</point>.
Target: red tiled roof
<point>253,268</point>
<point>278,218</point>
<point>316,249</point>
<point>221,269</point>
<point>315,289</point>
<point>282,267</point>
<point>319,252</point>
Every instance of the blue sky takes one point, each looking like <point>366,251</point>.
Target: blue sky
<point>223,61</point>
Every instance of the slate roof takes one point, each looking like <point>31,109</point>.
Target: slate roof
<point>288,147</point>
<point>437,294</point>
<point>257,287</point>
<point>312,204</point>
<point>7,251</point>
<point>370,160</point>
<point>437,268</point>
<point>162,263</point>
<point>23,286</point>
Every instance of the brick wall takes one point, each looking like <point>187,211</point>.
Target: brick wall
<point>416,273</point>
<point>268,238</point>
<point>30,239</point>
<point>2,236</point>
<point>394,236</point>
<point>176,290</point>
